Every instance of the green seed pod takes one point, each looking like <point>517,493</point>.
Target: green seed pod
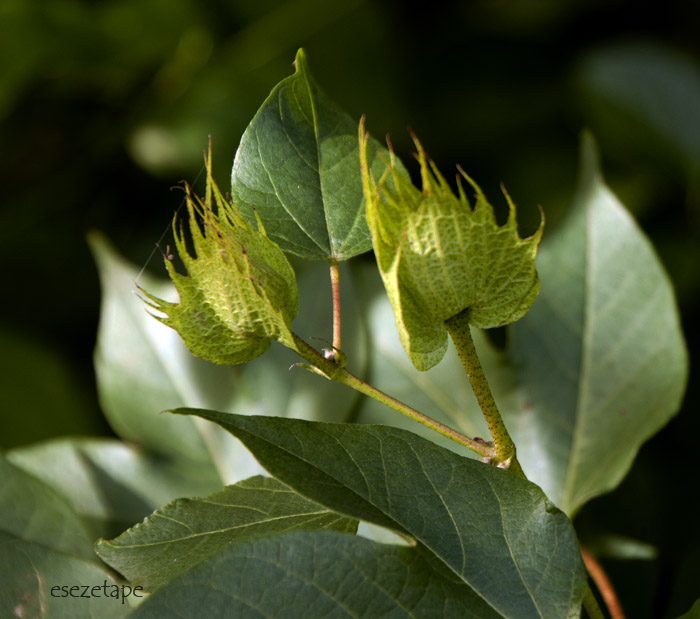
<point>239,292</point>
<point>438,256</point>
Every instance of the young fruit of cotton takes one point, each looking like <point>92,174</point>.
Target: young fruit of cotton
<point>440,257</point>
<point>239,292</point>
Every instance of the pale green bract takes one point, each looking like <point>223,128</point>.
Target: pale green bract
<point>439,257</point>
<point>240,291</point>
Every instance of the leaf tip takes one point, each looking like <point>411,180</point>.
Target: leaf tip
<point>300,64</point>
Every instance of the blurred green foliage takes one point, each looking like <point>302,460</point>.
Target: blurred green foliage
<point>106,104</point>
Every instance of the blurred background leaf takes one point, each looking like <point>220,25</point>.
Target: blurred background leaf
<point>105,105</point>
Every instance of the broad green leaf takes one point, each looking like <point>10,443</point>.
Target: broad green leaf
<point>297,169</point>
<point>189,531</point>
<point>316,574</point>
<point>239,292</point>
<point>439,257</point>
<point>35,581</point>
<point>111,484</point>
<point>693,613</point>
<point>142,367</point>
<point>496,532</point>
<point>32,511</point>
<point>599,363</point>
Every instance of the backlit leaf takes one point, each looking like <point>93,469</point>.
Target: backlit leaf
<point>599,362</point>
<point>297,169</point>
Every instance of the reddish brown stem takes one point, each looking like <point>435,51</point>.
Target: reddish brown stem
<point>602,582</point>
<point>335,289</point>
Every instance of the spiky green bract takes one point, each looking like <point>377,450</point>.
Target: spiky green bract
<point>239,292</point>
<point>438,256</point>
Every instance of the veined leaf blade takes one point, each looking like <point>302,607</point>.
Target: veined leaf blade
<point>316,574</point>
<point>599,362</point>
<point>479,521</point>
<point>187,532</point>
<point>298,169</point>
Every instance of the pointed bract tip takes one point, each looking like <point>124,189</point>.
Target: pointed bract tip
<point>470,180</point>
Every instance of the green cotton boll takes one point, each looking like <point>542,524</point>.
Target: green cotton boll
<point>439,257</point>
<point>239,292</point>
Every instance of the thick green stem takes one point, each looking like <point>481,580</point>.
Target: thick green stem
<point>504,448</point>
<point>334,372</point>
<point>602,582</point>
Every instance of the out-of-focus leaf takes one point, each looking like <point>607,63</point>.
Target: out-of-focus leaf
<point>611,546</point>
<point>443,392</point>
<point>316,574</point>
<point>648,97</point>
<point>43,544</point>
<point>693,613</point>
<point>188,532</point>
<point>298,168</point>
<point>36,582</point>
<point>142,367</point>
<point>481,522</point>
<point>26,360</point>
<point>599,362</point>
<point>111,484</point>
<point>298,393</point>
<point>32,511</point>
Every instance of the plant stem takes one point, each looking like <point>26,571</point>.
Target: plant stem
<point>590,605</point>
<point>600,578</point>
<point>335,289</point>
<point>504,448</point>
<point>332,371</point>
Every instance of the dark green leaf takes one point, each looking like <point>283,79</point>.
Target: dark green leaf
<point>189,531</point>
<point>298,167</point>
<point>497,533</point>
<point>111,484</point>
<point>600,360</point>
<point>319,574</point>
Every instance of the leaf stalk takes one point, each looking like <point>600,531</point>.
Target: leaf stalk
<point>602,582</point>
<point>335,290</point>
<point>339,374</point>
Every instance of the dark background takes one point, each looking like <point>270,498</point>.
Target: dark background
<point>105,105</point>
